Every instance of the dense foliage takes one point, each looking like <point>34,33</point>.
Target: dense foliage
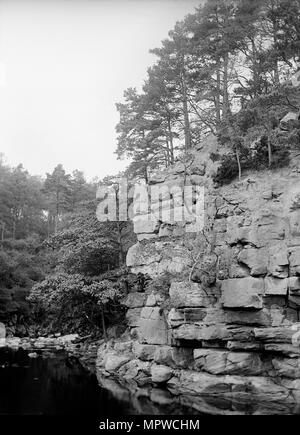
<point>54,249</point>
<point>86,286</point>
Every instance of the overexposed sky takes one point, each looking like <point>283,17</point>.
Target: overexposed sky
<point>63,66</point>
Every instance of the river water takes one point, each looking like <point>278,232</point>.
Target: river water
<point>55,384</point>
<point>52,384</point>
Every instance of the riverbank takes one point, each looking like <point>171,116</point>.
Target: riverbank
<point>151,376</point>
<point>70,351</point>
<point>126,370</point>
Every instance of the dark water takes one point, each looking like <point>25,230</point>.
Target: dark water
<point>52,385</point>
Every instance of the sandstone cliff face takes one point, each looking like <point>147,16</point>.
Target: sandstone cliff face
<point>220,315</point>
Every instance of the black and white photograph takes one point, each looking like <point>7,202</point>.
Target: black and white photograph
<point>149,212</point>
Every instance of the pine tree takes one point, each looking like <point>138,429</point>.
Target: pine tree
<point>58,189</point>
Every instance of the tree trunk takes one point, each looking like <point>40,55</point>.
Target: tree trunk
<point>276,66</point>
<point>187,126</point>
<point>217,99</point>
<point>49,224</point>
<point>276,74</point>
<point>146,174</point>
<point>226,103</point>
<point>56,224</point>
<point>2,234</point>
<point>171,142</point>
<point>238,162</point>
<point>103,324</point>
<point>57,213</point>
<point>270,153</point>
<point>14,228</point>
<point>256,85</point>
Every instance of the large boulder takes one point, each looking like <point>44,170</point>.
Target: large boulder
<point>218,332</point>
<point>276,287</point>
<point>113,362</point>
<point>189,294</point>
<point>133,317</point>
<point>238,233</point>
<point>135,369</point>
<point>227,363</point>
<point>278,261</point>
<point>242,293</point>
<point>154,299</point>
<point>135,300</point>
<point>176,264</point>
<point>287,367</point>
<point>266,230</point>
<point>174,356</point>
<point>160,374</point>
<point>294,285</point>
<point>157,257</point>
<point>178,317</point>
<point>145,352</point>
<point>152,327</point>
<point>255,260</point>
<point>139,255</point>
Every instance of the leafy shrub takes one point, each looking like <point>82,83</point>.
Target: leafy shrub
<point>228,169</point>
<point>22,264</point>
<point>70,303</point>
<point>215,157</point>
<point>255,159</point>
<point>260,156</point>
<point>258,122</point>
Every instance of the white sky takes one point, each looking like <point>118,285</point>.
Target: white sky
<point>63,66</point>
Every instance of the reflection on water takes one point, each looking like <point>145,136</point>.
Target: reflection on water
<point>52,384</point>
<point>157,401</point>
<point>147,400</point>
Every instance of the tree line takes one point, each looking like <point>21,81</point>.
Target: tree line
<point>32,205</point>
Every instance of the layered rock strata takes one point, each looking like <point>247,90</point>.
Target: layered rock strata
<point>220,314</point>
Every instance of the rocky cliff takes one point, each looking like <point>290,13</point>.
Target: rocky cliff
<point>218,316</point>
